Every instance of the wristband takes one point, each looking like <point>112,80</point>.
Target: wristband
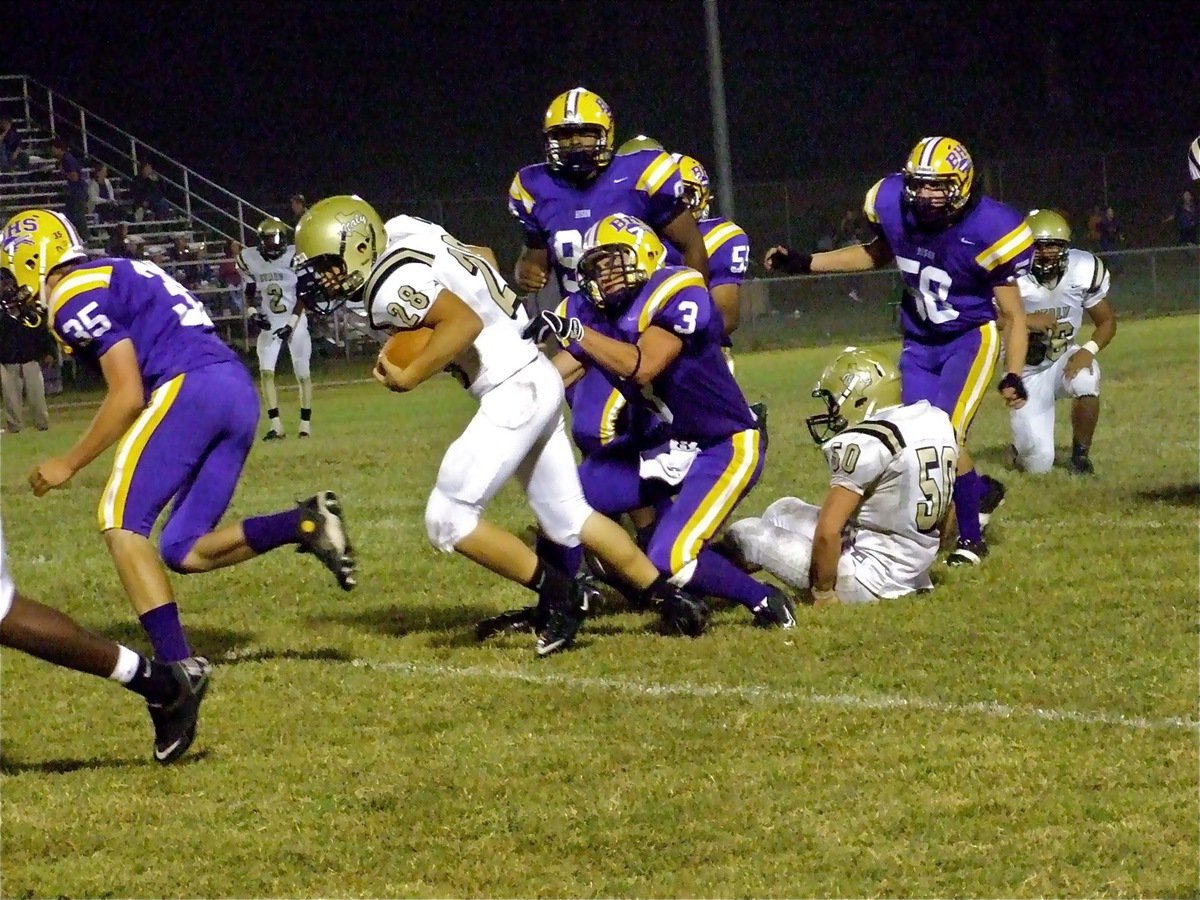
<point>820,596</point>
<point>294,321</point>
<point>1091,347</point>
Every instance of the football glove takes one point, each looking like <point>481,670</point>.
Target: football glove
<point>1039,346</point>
<point>564,329</point>
<point>788,261</point>
<point>260,320</point>
<point>1013,380</point>
<point>283,333</point>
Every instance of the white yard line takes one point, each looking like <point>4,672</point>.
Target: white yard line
<point>874,702</point>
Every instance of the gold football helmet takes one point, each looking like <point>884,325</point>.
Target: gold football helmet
<point>620,253</point>
<point>937,180</point>
<point>579,134</point>
<point>272,238</point>
<point>337,243</point>
<point>696,191</point>
<point>639,142</point>
<point>35,242</point>
<point>857,384</point>
<point>1051,241</point>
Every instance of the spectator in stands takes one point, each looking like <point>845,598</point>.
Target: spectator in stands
<point>23,347</point>
<point>147,194</point>
<point>102,196</point>
<point>299,206</point>
<point>1095,217</point>
<point>75,193</point>
<point>10,144</point>
<point>181,254</point>
<point>1186,223</point>
<point>848,230</point>
<point>229,277</point>
<point>118,242</point>
<point>1111,235</point>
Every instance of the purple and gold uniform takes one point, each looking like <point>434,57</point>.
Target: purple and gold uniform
<point>555,214</point>
<point>728,250</point>
<point>192,439</point>
<point>698,399</point>
<point>951,342</point>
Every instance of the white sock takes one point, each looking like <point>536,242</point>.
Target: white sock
<point>127,665</point>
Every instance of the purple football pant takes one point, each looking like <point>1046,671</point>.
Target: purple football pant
<point>612,484</point>
<point>953,376</point>
<point>190,444</point>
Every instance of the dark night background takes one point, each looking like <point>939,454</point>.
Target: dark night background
<point>407,100</point>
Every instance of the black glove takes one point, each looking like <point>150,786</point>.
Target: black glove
<point>260,320</point>
<point>547,324</point>
<point>283,333</point>
<point>1013,380</point>
<point>1039,346</point>
<point>788,261</point>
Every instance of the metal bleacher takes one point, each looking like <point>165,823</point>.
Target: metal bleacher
<point>191,242</point>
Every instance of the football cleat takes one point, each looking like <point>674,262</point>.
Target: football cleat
<point>512,621</point>
<point>993,499</point>
<point>776,611</point>
<point>967,553</point>
<point>1081,465</point>
<point>565,619</point>
<point>274,435</point>
<point>759,411</point>
<point>323,534</point>
<point>175,725</point>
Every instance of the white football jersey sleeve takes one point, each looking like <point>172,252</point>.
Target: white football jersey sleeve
<point>1084,283</point>
<point>275,280</point>
<point>421,260</point>
<point>902,462</point>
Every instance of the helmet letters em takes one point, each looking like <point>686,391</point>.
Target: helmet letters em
<point>34,243</point>
<point>620,253</point>
<point>337,243</point>
<point>1051,241</point>
<point>696,191</point>
<point>579,134</point>
<point>855,385</point>
<point>938,176</point>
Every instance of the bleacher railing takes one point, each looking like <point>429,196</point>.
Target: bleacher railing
<point>197,198</point>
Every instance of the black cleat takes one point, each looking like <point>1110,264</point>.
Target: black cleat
<point>323,534</point>
<point>1081,465</point>
<point>993,499</point>
<point>274,435</point>
<point>759,411</point>
<point>967,553</point>
<point>776,611</point>
<point>175,725</point>
<point>565,619</point>
<point>512,621</point>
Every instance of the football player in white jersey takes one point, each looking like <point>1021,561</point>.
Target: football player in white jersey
<point>413,274</point>
<point>892,471</point>
<point>1063,282</point>
<point>268,271</point>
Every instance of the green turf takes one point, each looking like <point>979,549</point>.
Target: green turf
<point>1029,729</point>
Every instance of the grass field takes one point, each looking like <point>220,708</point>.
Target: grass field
<point>1029,729</point>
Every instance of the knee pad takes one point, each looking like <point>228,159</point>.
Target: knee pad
<point>1035,460</point>
<point>1086,383</point>
<point>448,521</point>
<point>563,522</point>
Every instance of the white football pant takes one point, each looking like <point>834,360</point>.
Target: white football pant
<point>299,346</point>
<point>1033,424</point>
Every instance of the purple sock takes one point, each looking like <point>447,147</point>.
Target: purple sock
<point>718,577</point>
<point>968,491</point>
<point>265,533</point>
<point>165,631</point>
<point>565,559</point>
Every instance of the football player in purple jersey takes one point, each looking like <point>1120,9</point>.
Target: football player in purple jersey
<point>657,335</point>
<point>960,255</point>
<point>582,181</point>
<point>180,408</point>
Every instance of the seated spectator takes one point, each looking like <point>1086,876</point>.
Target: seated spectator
<point>848,230</point>
<point>1111,235</point>
<point>181,252</point>
<point>147,194</point>
<point>1186,223</point>
<point>118,242</point>
<point>298,206</point>
<point>75,192</point>
<point>228,274</point>
<point>1095,217</point>
<point>102,196</point>
<point>10,144</point>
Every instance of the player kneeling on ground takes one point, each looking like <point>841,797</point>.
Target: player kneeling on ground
<point>876,535</point>
<point>412,274</point>
<point>1062,283</point>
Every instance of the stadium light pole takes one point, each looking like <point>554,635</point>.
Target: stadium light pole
<point>716,93</point>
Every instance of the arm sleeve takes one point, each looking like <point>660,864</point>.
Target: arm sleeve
<point>685,309</point>
<point>1097,288</point>
<point>520,204</point>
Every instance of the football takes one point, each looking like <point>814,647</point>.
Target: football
<point>404,346</point>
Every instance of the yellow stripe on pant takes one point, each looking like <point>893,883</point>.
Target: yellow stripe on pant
<point>719,501</point>
<point>977,381</point>
<point>111,513</point>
